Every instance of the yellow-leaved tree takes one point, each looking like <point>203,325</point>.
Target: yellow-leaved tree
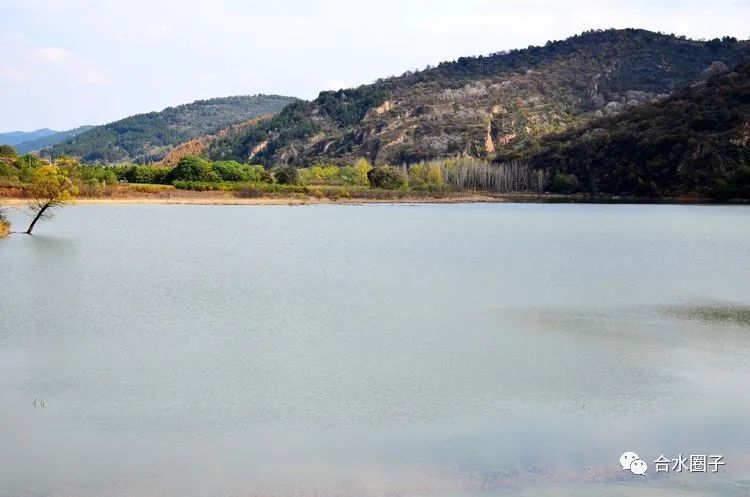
<point>4,225</point>
<point>50,187</point>
<point>361,168</point>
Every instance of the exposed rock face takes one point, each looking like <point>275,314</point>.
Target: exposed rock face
<point>489,145</point>
<point>258,148</point>
<point>384,108</point>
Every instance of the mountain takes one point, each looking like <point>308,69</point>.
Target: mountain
<point>16,137</point>
<point>49,140</point>
<point>697,141</point>
<point>483,105</point>
<point>150,137</point>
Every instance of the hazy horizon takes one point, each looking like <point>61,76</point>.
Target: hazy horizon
<point>97,62</point>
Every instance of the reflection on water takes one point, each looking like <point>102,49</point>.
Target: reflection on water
<point>714,313</point>
<point>378,350</point>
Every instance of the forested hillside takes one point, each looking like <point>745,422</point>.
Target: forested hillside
<point>696,141</point>
<point>150,137</point>
<point>481,106</point>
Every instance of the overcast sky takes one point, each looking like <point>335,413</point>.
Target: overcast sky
<point>64,63</point>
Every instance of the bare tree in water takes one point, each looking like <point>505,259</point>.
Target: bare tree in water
<point>50,188</point>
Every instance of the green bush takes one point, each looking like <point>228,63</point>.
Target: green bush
<point>259,174</point>
<point>230,170</point>
<point>386,177</point>
<point>8,151</point>
<point>193,168</point>
<point>98,173</point>
<point>29,160</point>
<point>287,175</point>
<point>141,174</point>
<point>565,183</point>
<point>8,171</point>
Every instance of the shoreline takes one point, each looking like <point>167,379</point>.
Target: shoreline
<point>229,200</point>
<point>215,198</point>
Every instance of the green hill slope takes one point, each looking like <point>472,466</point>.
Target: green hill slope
<point>482,105</point>
<point>696,141</point>
<point>149,137</point>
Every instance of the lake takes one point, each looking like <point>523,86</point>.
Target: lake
<point>379,350</point>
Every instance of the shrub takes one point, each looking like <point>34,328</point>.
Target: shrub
<point>259,174</point>
<point>140,174</point>
<point>565,183</point>
<point>426,177</point>
<point>193,168</point>
<point>361,170</point>
<point>230,170</point>
<point>8,151</point>
<point>250,191</point>
<point>287,175</point>
<point>99,173</point>
<point>386,177</point>
<point>148,188</point>
<point>238,187</point>
<point>91,188</point>
<point>320,174</point>
<point>4,225</point>
<point>8,171</point>
<point>201,186</point>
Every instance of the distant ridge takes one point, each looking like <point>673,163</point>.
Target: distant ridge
<point>16,137</point>
<point>150,137</point>
<point>49,140</point>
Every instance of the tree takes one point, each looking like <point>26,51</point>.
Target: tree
<point>230,170</point>
<point>50,187</point>
<point>259,174</point>
<point>287,175</point>
<point>361,168</point>
<point>565,183</point>
<point>386,177</point>
<point>4,225</point>
<point>193,168</point>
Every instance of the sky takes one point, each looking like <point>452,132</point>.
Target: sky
<point>65,63</point>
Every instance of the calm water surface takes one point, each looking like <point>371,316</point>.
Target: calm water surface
<point>374,350</point>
